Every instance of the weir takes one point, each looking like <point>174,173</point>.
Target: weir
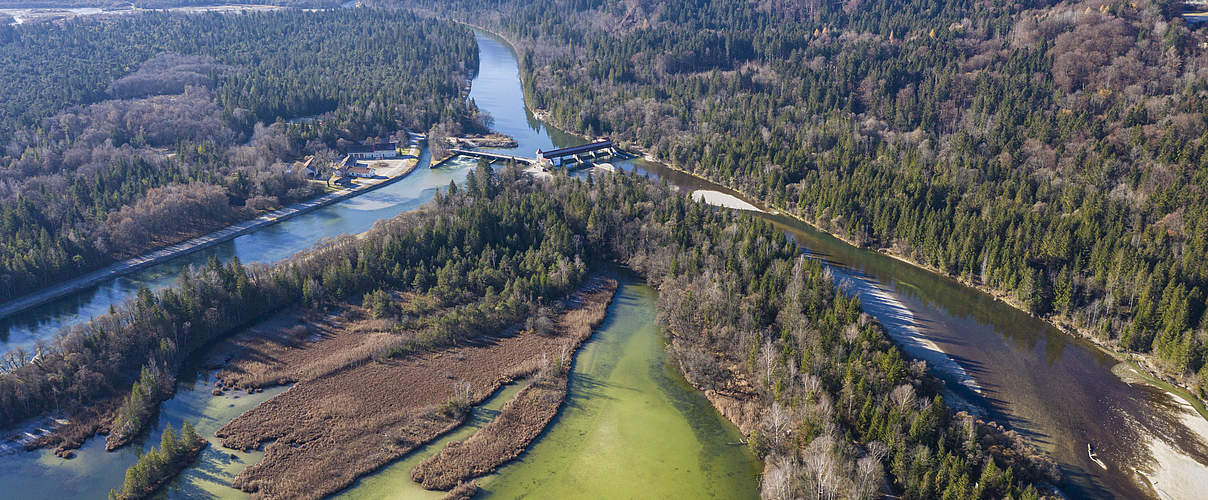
<point>572,157</point>
<point>493,157</point>
<point>1051,387</point>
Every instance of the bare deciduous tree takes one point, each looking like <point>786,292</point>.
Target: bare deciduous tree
<point>779,479</point>
<point>903,396</point>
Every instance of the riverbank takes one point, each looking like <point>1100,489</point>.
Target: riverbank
<point>527,415</point>
<point>228,233</point>
<point>631,426</point>
<point>736,398</point>
<point>71,431</point>
<point>1146,364</point>
<point>352,411</point>
<point>1028,404</point>
<point>27,15</point>
<point>157,468</point>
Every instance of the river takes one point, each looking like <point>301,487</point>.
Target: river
<point>267,245</point>
<point>1059,391</point>
<point>22,15</point>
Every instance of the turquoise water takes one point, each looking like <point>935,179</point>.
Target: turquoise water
<point>93,472</point>
<point>631,427</point>
<point>1058,391</point>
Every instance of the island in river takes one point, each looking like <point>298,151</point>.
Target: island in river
<point>934,314</point>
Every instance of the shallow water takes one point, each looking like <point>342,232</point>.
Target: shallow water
<point>394,480</point>
<point>631,426</point>
<point>997,361</point>
<point>1058,391</point>
<point>93,472</point>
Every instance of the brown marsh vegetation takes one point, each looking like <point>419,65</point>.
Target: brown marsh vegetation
<point>524,417</point>
<point>343,419</point>
<point>463,491</point>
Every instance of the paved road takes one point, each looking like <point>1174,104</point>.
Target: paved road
<point>201,242</point>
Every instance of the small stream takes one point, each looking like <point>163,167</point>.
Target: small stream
<point>394,480</point>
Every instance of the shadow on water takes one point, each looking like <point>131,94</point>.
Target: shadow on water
<point>394,479</point>
<point>1057,390</point>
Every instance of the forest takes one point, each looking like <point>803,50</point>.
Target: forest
<point>1054,153</point>
<point>160,126</point>
<point>495,249</point>
<point>161,4</point>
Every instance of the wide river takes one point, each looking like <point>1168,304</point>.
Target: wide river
<point>1058,391</point>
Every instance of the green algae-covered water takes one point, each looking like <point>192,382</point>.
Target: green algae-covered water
<point>394,480</point>
<point>631,426</point>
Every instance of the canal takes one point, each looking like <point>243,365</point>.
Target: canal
<point>1000,363</point>
<point>1058,391</point>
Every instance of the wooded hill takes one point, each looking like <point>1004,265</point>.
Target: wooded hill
<point>159,127</point>
<point>1053,151</point>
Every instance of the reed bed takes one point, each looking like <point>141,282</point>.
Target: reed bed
<point>523,418</point>
<point>335,425</point>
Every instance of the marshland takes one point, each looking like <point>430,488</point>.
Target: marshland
<point>818,372</point>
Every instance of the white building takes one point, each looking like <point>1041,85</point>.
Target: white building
<point>374,151</point>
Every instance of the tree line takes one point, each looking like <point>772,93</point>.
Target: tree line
<point>155,467</point>
<point>844,410</point>
<point>845,407</point>
<point>476,262</point>
<point>1054,151</point>
<point>118,5</point>
<point>164,126</point>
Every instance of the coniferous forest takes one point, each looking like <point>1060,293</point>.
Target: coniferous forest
<point>502,244</point>
<point>159,127</point>
<point>1052,152</point>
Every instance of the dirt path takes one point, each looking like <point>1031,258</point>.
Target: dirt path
<point>198,243</point>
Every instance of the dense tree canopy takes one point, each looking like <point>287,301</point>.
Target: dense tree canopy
<point>495,249</point>
<point>154,127</point>
<point>1056,151</point>
<point>157,466</point>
